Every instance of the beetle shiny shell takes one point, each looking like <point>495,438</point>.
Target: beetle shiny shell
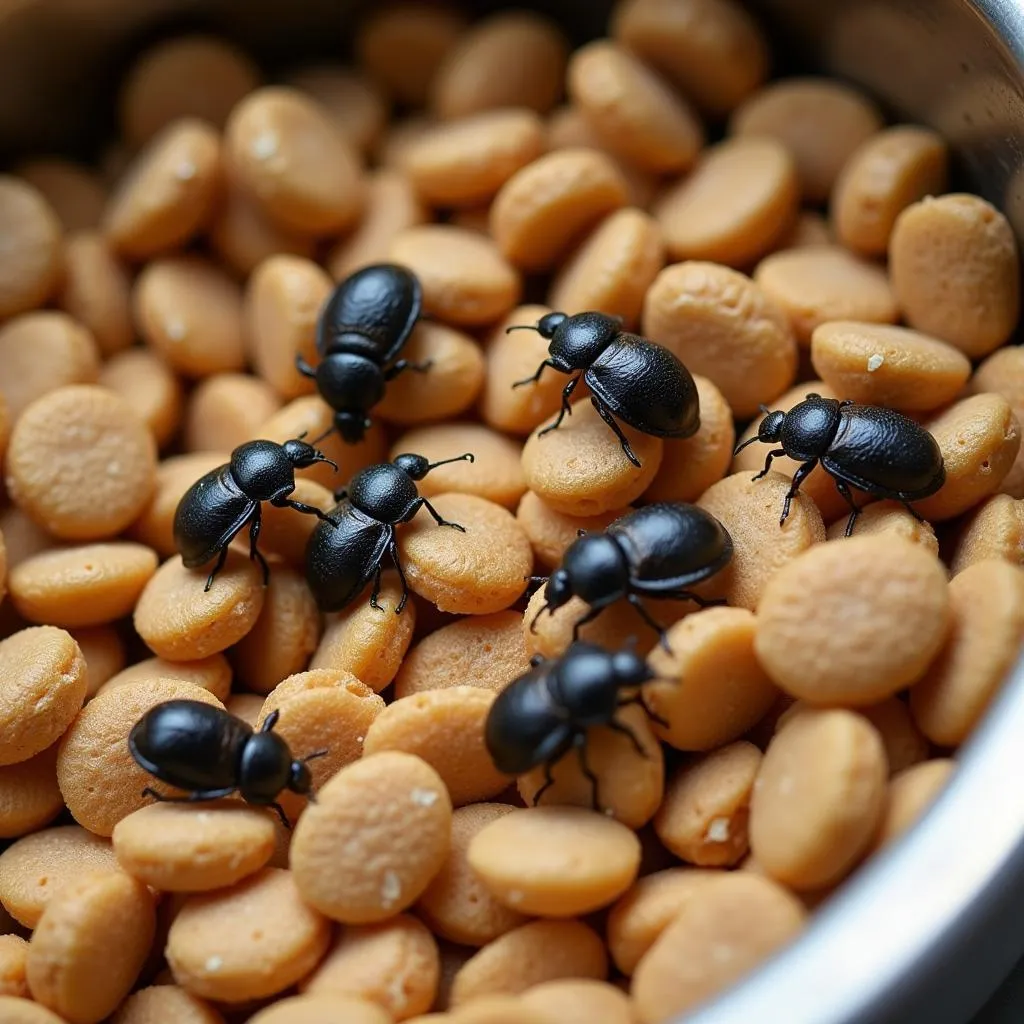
<point>875,449</point>
<point>629,377</point>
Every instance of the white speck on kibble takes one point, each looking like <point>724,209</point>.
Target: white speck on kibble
<point>390,889</point>
<point>185,171</point>
<point>514,896</point>
<point>214,963</point>
<point>718,830</point>
<point>786,785</point>
<point>175,329</point>
<point>424,797</point>
<point>874,362</point>
<point>264,146</point>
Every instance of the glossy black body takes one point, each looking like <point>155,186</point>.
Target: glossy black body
<point>629,377</point>
<point>874,449</point>
<point>656,551</point>
<point>545,713</point>
<point>220,503</point>
<point>341,557</point>
<point>211,754</point>
<point>362,328</point>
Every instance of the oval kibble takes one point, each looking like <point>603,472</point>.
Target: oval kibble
<point>104,653</point>
<point>995,529</point>
<point>75,192</point>
<point>888,517</point>
<point>22,1011</point>
<point>29,795</point>
<point>225,411</point>
<point>33,261</point>
<point>551,533</point>
<point>810,228</point>
<point>243,237</point>
<point>354,103</point>
<point>212,673</point>
<point>904,744</point>
<point>13,956</point>
<point>579,1001</point>
<point>165,1003</point>
<point>910,794</point>
<point>145,381</point>
<point>321,1010</point>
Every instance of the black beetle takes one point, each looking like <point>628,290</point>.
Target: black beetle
<point>655,551</point>
<point>342,556</point>
<point>631,377</point>
<point>211,753</point>
<point>362,327</point>
<point>545,713</point>
<point>221,502</point>
<point>868,447</point>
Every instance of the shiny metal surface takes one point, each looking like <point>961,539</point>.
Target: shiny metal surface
<point>923,933</point>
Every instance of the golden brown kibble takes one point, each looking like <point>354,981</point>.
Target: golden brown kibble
<point>911,793</point>
<point>551,533</point>
<point>510,59</point>
<point>809,228</point>
<point>466,280</point>
<point>359,874</point>
<point>323,1009</point>
<point>89,585</point>
<point>168,193</point>
<point>498,1009</point>
<point>22,1011</point>
<point>104,653</point>
<point>817,284</point>
<point>75,192</point>
<point>96,291</point>
<point>90,944</point>
<point>40,352</point>
<point>391,152</point>
<point>226,410</point>
<point>189,310</point>
<point>543,210</point>
<point>31,266</point>
<point>287,154</point>
<point>285,534</point>
<point>995,529</point>
<point>356,105</point>
<point>212,673</point>
<point>955,270</point>
<point>145,381</point>
<point>889,517</point>
<point>29,795</point>
<point>713,50</point>
<point>281,941</point>
<point>165,1003</point>
<point>724,930</point>
<point>578,1000</point>
<point>882,177</point>
<point>13,954</point>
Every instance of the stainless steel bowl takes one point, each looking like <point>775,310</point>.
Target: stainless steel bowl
<point>925,932</point>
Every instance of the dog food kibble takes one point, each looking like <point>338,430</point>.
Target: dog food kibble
<point>892,518</point>
<point>955,270</point>
<point>227,410</point>
<point>579,1001</point>
<point>32,261</point>
<point>96,291</point>
<point>165,1003</point>
<point>75,192</point>
<point>13,954</point>
<point>21,1011</point>
<point>243,237</point>
<point>551,533</point>
<point>995,529</point>
<point>145,381</point>
<point>212,673</point>
<point>321,1010</point>
<point>29,795</point>
<point>355,104</point>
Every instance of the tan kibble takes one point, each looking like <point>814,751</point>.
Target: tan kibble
<point>891,366</point>
<point>882,177</point>
<point>809,228</point>
<point>612,270</point>
<point>33,260</point>
<point>40,352</point>
<point>955,270</point>
<point>979,438</point>
<point>712,50</point>
<point>246,706</point>
<point>75,192</point>
<point>29,795</point>
<point>578,1001</point>
<point>168,193</point>
<point>253,940</point>
<point>630,785</point>
<point>22,1011</point>
<point>104,653</point>
<point>145,381</point>
<point>497,1009</point>
<point>3,567</point>
<point>98,777</point>
<point>286,152</point>
<point>703,819</point>
<point>714,688</point>
<point>510,59</point>
<point>529,955</point>
<point>466,280</point>
<point>393,148</point>
<point>96,291</point>
<point>1003,374</point>
<point>394,965</point>
<point>726,929</point>
<point>13,955</point>
<point>355,104</point>
<point>178,848</point>
<point>190,311</point>
<point>911,793</point>
<point>286,534</point>
<point>226,410</point>
<point>903,742</point>
<point>159,1003</point>
<point>365,641</point>
<point>551,533</point>
<point>325,1009</point>
<point>44,687</point>
<point>987,605</point>
<point>816,284</point>
<point>888,517</point>
<point>212,673</point>
<point>543,210</point>
<point>995,529</point>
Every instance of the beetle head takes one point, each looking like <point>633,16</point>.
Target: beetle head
<point>558,590</point>
<point>301,454</point>
<point>548,324</point>
<point>630,669</point>
<point>415,467</point>
<point>770,430</point>
<point>300,779</point>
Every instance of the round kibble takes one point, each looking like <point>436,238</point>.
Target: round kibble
<point>888,517</point>
<point>226,410</point>
<point>29,795</point>
<point>212,673</point>
<point>911,793</point>
<point>955,271</point>
<point>177,848</point>
<point>723,326</point>
<point>243,237</point>
<point>724,930</point>
<point>189,311</point>
<point>324,1009</point>
<point>891,366</point>
<point>104,653</point>
<point>354,103</point>
<point>735,206</point>
<point>168,193</point>
<point>457,571</point>
<point>285,534</point>
<point>578,1001</point>
<point>100,781</point>
<point>378,833</point>
<point>285,151</point>
<point>882,177</point>
<point>180,621</point>
<point>165,1003</point>
<point>994,530</point>
<point>816,284</point>
<point>247,942</point>
<point>13,955</point>
<point>22,1011</point>
<point>145,381</point>
<point>90,944</point>
<point>551,533</point>
<point>543,210</point>
<point>82,586</point>
<point>495,473</point>
<point>466,280</point>
<point>33,260</point>
<point>75,192</point>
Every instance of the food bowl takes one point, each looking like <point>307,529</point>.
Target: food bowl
<point>927,930</point>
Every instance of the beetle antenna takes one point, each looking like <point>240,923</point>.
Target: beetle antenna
<point>764,408</point>
<point>302,435</point>
<point>320,457</point>
<point>749,441</point>
<point>520,327</point>
<point>536,579</point>
<point>316,440</point>
<point>540,611</point>
<point>314,756</point>
<point>466,457</point>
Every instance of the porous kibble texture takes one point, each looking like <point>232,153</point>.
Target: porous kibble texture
<point>551,533</point>
<point>994,529</point>
<point>29,795</point>
<point>212,673</point>
<point>889,517</point>
<point>226,410</point>
<point>159,1003</point>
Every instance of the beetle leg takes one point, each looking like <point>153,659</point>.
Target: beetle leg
<point>374,603</point>
<point>580,743</point>
<point>438,518</point>
<point>651,713</point>
<point>913,511</point>
<point>617,726</point>
<point>798,478</point>
<point>190,798</point>
<point>646,616</point>
<point>592,613</point>
<point>536,376</point>
<point>221,558</point>
<point>844,490</point>
<point>549,781</point>
<point>271,720</point>
<point>689,595</point>
<point>280,813</point>
<point>310,510</point>
<point>768,462</point>
<point>303,367</point>
<point>393,551</point>
<point>405,364</point>
<point>254,552</point>
<point>565,410</point>
<point>610,420</point>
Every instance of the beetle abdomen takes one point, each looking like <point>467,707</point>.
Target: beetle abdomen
<point>340,560</point>
<point>211,512</point>
<point>524,728</point>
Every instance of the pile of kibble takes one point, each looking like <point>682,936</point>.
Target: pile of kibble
<point>167,306</point>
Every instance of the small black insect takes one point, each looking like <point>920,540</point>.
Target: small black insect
<point>221,502</point>
<point>869,447</point>
<point>203,749</point>
<point>341,556</point>
<point>631,377</point>
<point>362,327</point>
<point>545,713</point>
<point>655,551</point>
